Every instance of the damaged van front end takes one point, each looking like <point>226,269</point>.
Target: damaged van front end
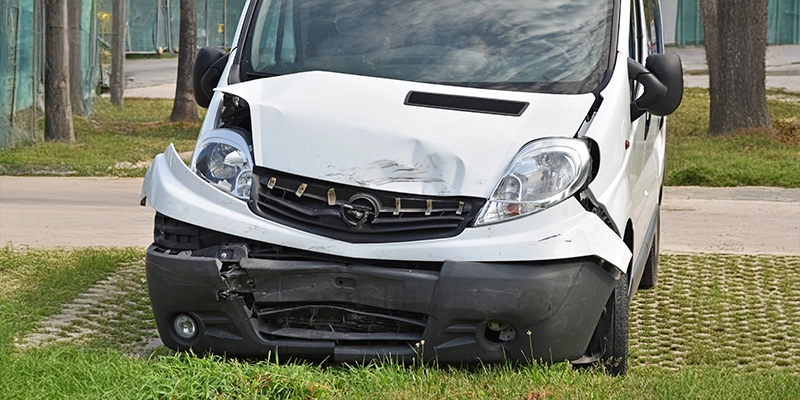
<point>252,286</point>
<point>413,197</point>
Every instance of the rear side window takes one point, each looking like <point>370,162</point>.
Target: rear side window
<point>635,42</point>
<point>652,15</point>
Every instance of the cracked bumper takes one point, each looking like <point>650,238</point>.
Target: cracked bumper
<point>559,302</point>
<point>564,231</point>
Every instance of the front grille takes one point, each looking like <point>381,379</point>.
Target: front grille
<point>343,323</point>
<point>358,215</point>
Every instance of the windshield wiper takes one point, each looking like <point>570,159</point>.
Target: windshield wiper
<point>256,74</point>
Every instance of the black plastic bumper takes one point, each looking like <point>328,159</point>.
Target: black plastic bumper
<point>552,308</point>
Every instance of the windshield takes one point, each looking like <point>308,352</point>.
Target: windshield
<point>555,46</point>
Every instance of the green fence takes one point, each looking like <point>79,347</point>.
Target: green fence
<point>154,25</point>
<point>22,56</point>
<point>783,28</point>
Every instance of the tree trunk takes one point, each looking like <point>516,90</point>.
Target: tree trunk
<point>184,108</point>
<point>57,108</point>
<point>736,46</point>
<point>75,70</point>
<point>118,21</point>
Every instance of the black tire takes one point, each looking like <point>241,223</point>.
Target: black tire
<point>650,274</point>
<point>615,357</point>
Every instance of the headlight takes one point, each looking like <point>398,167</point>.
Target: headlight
<point>544,173</point>
<point>223,159</point>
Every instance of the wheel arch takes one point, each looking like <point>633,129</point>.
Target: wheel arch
<point>627,237</point>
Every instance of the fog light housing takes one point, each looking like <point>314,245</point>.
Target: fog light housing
<point>499,332</point>
<point>185,326</point>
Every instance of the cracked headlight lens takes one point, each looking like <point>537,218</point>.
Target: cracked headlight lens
<point>544,173</point>
<point>225,163</point>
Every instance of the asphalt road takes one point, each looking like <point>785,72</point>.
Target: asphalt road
<point>47,212</point>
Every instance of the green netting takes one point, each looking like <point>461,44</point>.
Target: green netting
<point>154,25</point>
<point>689,25</point>
<point>784,22</point>
<point>22,56</point>
<point>783,28</point>
<point>90,57</point>
<point>219,19</point>
<point>21,61</point>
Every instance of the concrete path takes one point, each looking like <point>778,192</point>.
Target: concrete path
<point>45,212</point>
<point>782,66</point>
<point>148,72</point>
<point>731,220</point>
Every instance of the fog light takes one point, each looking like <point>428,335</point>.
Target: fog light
<point>185,326</point>
<point>497,326</point>
<point>499,332</point>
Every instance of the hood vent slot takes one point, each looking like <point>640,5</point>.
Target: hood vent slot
<point>464,103</point>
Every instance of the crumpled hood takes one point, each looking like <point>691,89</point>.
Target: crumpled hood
<point>356,130</point>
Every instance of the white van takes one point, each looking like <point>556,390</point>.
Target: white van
<point>456,180</point>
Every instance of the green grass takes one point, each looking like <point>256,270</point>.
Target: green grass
<point>746,159</point>
<point>35,283</point>
<point>133,134</point>
<point>696,295</point>
<point>72,373</point>
<point>137,133</point>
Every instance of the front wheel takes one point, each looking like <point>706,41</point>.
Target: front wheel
<point>615,357</point>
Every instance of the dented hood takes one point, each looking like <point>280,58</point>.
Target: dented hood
<point>356,130</point>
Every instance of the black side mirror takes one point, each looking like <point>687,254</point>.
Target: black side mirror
<point>668,69</point>
<point>663,84</point>
<point>208,66</point>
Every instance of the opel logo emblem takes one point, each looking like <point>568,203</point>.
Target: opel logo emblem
<point>360,209</point>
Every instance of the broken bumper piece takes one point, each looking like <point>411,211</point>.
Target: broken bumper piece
<point>455,312</point>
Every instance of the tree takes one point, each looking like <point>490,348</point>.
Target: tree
<point>118,52</point>
<point>736,45</point>
<point>75,71</point>
<point>57,107</point>
<point>184,107</point>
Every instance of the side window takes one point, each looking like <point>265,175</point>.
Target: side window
<point>634,46</point>
<point>652,15</point>
<point>634,42</point>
